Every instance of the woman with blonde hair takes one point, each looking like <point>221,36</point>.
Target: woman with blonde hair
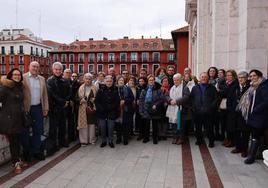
<point>86,115</point>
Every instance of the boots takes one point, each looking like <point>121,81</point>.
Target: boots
<point>252,151</point>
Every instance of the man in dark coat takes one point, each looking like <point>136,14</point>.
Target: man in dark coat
<point>107,108</point>
<point>204,102</point>
<point>59,97</point>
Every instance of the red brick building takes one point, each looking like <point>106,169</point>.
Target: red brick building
<point>18,47</point>
<point>180,39</point>
<point>122,54</point>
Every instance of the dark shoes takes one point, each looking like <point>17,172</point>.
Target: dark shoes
<point>211,145</point>
<point>125,142</point>
<point>118,141</point>
<point>111,144</point>
<point>145,140</point>
<point>139,138</point>
<point>65,145</point>
<point>103,144</point>
<point>252,152</point>
<point>236,151</point>
<point>39,156</point>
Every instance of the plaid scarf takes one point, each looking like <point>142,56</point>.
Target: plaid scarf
<point>246,99</point>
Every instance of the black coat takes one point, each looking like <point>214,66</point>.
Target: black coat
<point>259,116</point>
<point>11,107</point>
<point>158,99</point>
<point>204,103</point>
<point>59,91</point>
<point>107,103</point>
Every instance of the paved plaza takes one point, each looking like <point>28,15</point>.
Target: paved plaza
<point>140,165</point>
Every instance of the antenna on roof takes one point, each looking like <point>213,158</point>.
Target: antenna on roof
<point>16,14</point>
<point>160,28</point>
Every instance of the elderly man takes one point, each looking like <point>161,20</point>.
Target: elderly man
<point>204,102</point>
<point>59,99</point>
<point>36,102</point>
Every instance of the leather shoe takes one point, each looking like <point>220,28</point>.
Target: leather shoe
<point>39,156</point>
<point>111,144</point>
<point>103,144</point>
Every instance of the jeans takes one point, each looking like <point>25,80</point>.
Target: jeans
<point>107,126</point>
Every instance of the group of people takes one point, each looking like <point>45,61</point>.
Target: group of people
<point>227,106</point>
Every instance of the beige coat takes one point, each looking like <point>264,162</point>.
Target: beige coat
<point>82,116</point>
<point>27,93</point>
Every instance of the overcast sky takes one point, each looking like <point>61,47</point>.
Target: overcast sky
<point>66,20</point>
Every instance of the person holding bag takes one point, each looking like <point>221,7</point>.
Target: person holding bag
<point>87,111</point>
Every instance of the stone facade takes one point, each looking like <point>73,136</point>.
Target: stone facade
<point>229,34</point>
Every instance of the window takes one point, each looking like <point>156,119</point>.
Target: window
<point>3,69</point>
<point>64,66</point>
<point>155,66</point>
<point>91,57</point>
<point>12,49</point>
<point>80,68</point>
<point>145,66</point>
<point>100,68</point>
<point>71,66</point>
<point>111,57</point>
<point>91,68</point>
<point>56,57</point>
<point>32,51</point>
<point>21,67</point>
<point>81,58</point>
<point>145,56</point>
<point>171,57</point>
<point>110,66</point>
<point>71,57</point>
<point>123,57</point>
<point>36,51</point>
<point>3,50</point>
<point>135,45</point>
<point>3,60</point>
<point>155,44</point>
<point>63,57</point>
<point>21,59</point>
<point>11,62</point>
<point>134,56</point>
<point>11,67</point>
<point>42,52</point>
<point>123,67</point>
<point>156,56</point>
<point>145,45</point>
<point>100,57</point>
<point>21,49</point>
<point>133,69</point>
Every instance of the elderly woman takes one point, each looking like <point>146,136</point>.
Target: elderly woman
<point>178,101</point>
<point>150,103</point>
<point>242,130</point>
<point>11,114</point>
<point>86,114</point>
<point>254,107</point>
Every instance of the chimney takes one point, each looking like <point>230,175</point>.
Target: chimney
<point>142,37</point>
<point>90,39</point>
<point>125,37</point>
<point>156,37</point>
<point>104,38</point>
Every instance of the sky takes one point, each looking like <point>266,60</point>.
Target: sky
<point>66,20</point>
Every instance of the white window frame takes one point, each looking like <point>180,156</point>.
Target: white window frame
<point>147,67</point>
<point>82,68</point>
<point>92,59</point>
<point>81,56</point>
<point>12,57</point>
<point>72,69</point>
<point>148,57</point>
<point>63,55</point>
<point>55,57</point>
<point>153,70</point>
<point>121,58</point>
<point>102,57</point>
<point>3,69</point>
<point>153,56</point>
<point>112,59</point>
<point>169,58</point>
<point>131,57</point>
<point>64,66</point>
<point>70,58</point>
<point>90,65</point>
<point>21,62</point>
<point>110,66</point>
<point>3,62</point>
<point>136,68</point>
<point>121,67</point>
<point>98,67</point>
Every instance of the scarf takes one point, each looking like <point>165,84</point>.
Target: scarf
<point>172,111</point>
<point>246,99</point>
<point>149,95</point>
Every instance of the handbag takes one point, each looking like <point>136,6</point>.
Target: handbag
<point>90,110</point>
<point>223,105</point>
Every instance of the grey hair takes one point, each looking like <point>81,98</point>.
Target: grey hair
<point>108,77</point>
<point>177,76</point>
<point>57,64</point>
<point>34,62</point>
<point>68,70</point>
<point>243,73</point>
<point>88,75</point>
